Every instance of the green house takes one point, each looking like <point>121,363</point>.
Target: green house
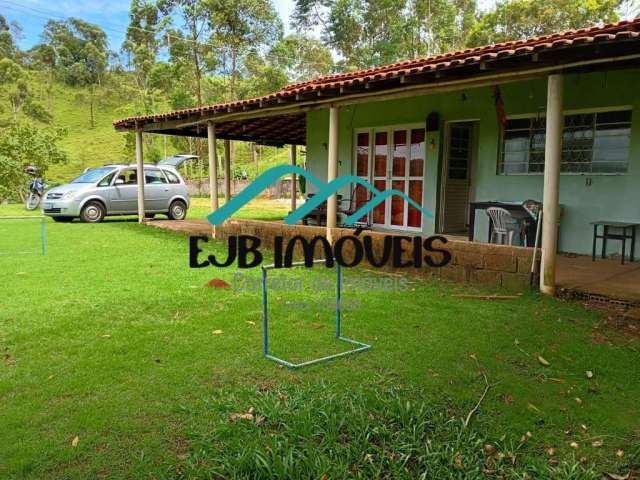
<point>554,119</point>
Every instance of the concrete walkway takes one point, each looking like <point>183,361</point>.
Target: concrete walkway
<point>186,227</point>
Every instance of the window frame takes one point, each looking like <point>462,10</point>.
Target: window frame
<point>521,116</point>
<point>162,175</point>
<point>169,172</point>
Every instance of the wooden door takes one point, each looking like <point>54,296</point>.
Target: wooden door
<point>457,176</point>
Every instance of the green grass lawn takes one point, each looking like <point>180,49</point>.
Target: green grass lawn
<point>117,362</point>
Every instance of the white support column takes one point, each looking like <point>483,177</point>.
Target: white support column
<point>551,198</point>
<point>213,170</point>
<point>213,166</point>
<point>227,171</point>
<point>332,169</point>
<point>294,178</point>
<point>140,174</point>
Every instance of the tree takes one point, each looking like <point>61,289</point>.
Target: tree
<point>142,44</point>
<point>82,54</point>
<point>7,43</point>
<point>521,19</point>
<point>240,27</point>
<point>13,80</point>
<point>366,33</point>
<point>378,32</point>
<point>190,48</point>
<point>45,58</point>
<point>22,143</point>
<point>301,57</point>
<point>438,26</point>
<point>292,59</point>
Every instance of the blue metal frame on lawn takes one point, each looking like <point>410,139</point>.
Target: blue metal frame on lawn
<point>265,323</point>
<point>43,231</point>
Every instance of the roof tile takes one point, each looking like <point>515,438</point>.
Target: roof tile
<point>620,31</point>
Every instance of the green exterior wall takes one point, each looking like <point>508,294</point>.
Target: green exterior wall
<point>610,197</point>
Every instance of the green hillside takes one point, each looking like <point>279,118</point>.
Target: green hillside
<point>86,146</point>
<point>89,146</point>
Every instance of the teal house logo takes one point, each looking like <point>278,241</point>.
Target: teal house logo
<point>324,191</point>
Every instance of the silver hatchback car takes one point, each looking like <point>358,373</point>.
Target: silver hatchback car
<point>113,190</point>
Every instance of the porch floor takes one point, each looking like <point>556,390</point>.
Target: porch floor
<point>607,278</point>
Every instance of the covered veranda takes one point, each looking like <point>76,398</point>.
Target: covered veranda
<point>280,118</point>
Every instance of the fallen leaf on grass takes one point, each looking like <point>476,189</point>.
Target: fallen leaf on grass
<point>75,441</point>
<point>597,443</point>
<point>217,283</point>
<point>589,374</point>
<point>9,360</point>
<point>531,406</point>
<point>240,416</point>
<point>543,361</point>
<point>458,462</point>
<point>574,445</point>
<point>316,325</point>
<point>507,398</point>
<point>584,427</point>
<point>489,449</point>
<point>615,476</point>
<point>578,400</point>
<point>250,322</point>
<point>106,336</point>
<point>619,453</point>
<point>217,332</point>
<point>558,380</point>
<point>526,437</point>
<point>550,451</point>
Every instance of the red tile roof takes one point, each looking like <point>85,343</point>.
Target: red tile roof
<point>500,55</point>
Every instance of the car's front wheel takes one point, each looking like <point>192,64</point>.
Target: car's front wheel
<point>177,210</point>
<point>92,212</point>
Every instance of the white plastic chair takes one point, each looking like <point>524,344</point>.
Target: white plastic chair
<point>504,226</point>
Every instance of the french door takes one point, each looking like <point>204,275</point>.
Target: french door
<point>392,158</point>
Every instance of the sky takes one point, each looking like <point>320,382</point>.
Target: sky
<point>111,15</point>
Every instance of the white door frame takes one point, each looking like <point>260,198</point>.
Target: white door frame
<point>389,129</point>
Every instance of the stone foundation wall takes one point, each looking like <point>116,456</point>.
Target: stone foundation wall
<point>476,263</point>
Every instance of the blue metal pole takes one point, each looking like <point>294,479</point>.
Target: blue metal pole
<point>265,322</point>
<point>338,295</point>
<point>43,236</point>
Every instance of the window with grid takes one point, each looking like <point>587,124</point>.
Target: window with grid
<point>596,142</point>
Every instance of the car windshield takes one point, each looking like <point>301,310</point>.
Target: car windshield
<point>93,175</point>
